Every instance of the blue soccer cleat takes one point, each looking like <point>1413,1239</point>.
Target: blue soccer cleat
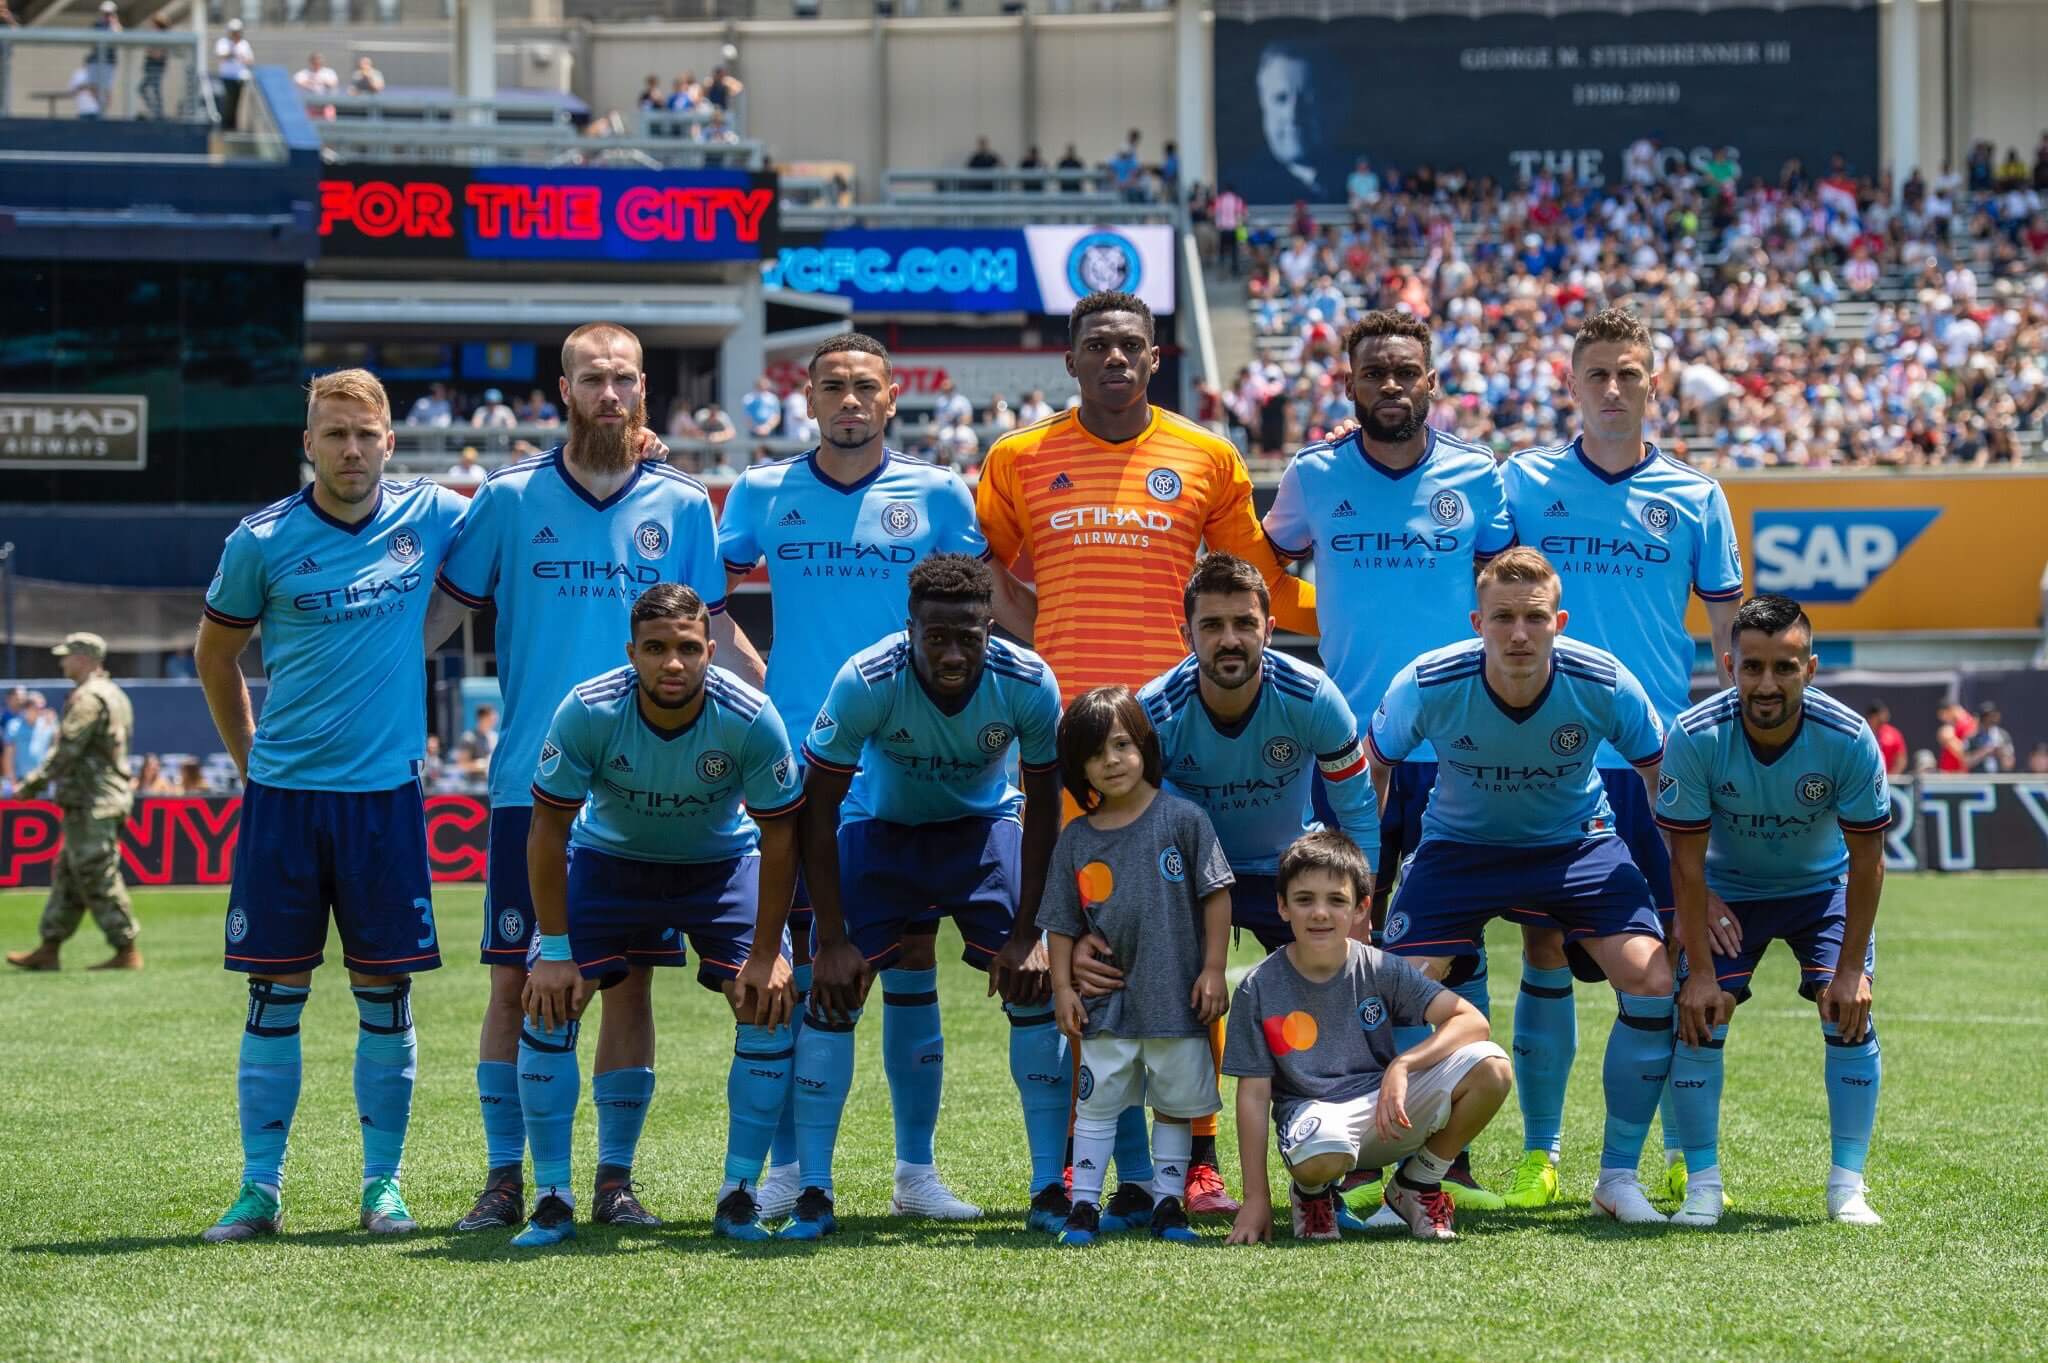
<point>1050,1209</point>
<point>1130,1208</point>
<point>1170,1222</point>
<point>813,1219</point>
<point>553,1221</point>
<point>1083,1224</point>
<point>739,1218</point>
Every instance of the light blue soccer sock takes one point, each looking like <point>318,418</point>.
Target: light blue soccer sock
<point>1637,1066</point>
<point>621,1098</point>
<point>387,1061</point>
<point>1667,1121</point>
<point>763,1059</point>
<point>1038,1065</point>
<point>1474,990</point>
<point>1546,1044</point>
<point>1133,1147</point>
<point>783,1152</point>
<point>824,1075</point>
<point>267,1078</point>
<point>1855,1072</point>
<point>914,1059</point>
<point>1692,1101</point>
<point>548,1088</point>
<point>497,1093</point>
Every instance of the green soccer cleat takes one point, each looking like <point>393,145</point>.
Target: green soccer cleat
<point>1671,1187</point>
<point>384,1211</point>
<point>1364,1198</point>
<point>255,1213</point>
<point>1534,1184</point>
<point>1464,1190</point>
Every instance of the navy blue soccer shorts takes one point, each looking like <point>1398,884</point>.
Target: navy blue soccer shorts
<point>1637,828</point>
<point>900,878</point>
<point>1401,817</point>
<point>1255,907</point>
<point>625,913</point>
<point>362,855</point>
<point>1450,891</point>
<point>1810,924</point>
<point>508,900</point>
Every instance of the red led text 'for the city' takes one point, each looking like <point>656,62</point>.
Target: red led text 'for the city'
<point>644,213</point>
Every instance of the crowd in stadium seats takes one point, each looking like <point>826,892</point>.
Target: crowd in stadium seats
<point>1802,322</point>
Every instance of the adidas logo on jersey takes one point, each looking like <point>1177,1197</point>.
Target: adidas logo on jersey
<point>1062,483</point>
<point>794,517</point>
<point>545,536</point>
<point>1187,763</point>
<point>1465,744</point>
<point>1344,509</point>
<point>1556,508</point>
<point>620,763</point>
<point>1728,788</point>
<point>900,736</point>
<point>306,565</point>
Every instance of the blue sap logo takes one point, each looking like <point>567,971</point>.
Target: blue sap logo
<point>1833,556</point>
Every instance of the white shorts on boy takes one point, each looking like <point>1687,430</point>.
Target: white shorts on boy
<point>1173,1075</point>
<point>1310,1129</point>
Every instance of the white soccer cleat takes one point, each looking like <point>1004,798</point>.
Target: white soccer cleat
<point>1846,1205</point>
<point>1623,1199</point>
<point>919,1193</point>
<point>1703,1205</point>
<point>1386,1218</point>
<point>775,1195</point>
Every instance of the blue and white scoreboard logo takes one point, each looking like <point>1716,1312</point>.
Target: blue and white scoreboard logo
<point>1104,262</point>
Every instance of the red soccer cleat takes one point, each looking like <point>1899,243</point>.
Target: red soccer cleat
<point>1206,1194</point>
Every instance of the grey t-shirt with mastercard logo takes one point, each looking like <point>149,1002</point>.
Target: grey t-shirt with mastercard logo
<point>1141,886</point>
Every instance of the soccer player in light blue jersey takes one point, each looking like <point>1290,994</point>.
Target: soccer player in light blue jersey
<point>840,527</point>
<point>1519,822</point>
<point>1396,516</point>
<point>1633,533</point>
<point>563,543</point>
<point>930,827</point>
<point>333,819</point>
<point>1775,797</point>
<point>664,798</point>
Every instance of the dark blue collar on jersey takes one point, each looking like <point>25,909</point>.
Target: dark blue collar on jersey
<point>1649,458</point>
<point>560,456</point>
<point>1519,713</point>
<point>346,527</point>
<point>1769,756</point>
<point>811,458</point>
<point>1428,448</point>
<point>1234,727</point>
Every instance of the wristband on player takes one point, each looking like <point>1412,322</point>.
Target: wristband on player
<point>554,946</point>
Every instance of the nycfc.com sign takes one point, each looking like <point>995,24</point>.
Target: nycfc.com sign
<point>47,431</point>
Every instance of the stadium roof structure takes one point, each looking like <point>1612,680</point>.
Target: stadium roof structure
<point>1245,10</point>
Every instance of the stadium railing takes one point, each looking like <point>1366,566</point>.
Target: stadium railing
<point>484,144</point>
<point>184,90</point>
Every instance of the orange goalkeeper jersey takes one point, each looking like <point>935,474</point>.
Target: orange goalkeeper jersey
<point>1111,532</point>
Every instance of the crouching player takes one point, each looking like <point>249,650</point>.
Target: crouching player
<point>1775,798</point>
<point>1311,1042</point>
<point>662,807</point>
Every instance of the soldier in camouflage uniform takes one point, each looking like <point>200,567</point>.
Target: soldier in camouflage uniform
<point>86,774</point>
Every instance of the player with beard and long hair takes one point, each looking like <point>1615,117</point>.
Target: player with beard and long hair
<point>563,544</point>
<point>1396,515</point>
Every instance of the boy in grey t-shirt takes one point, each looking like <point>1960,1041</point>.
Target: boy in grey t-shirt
<point>1312,1042</point>
<point>1144,870</point>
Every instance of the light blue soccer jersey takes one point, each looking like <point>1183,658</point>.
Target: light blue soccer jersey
<point>1774,828</point>
<point>660,796</point>
<point>839,558</point>
<point>564,570</point>
<point>1517,777</point>
<point>343,609</point>
<point>919,764</point>
<point>1253,777</point>
<point>1629,547</point>
<point>1393,552</point>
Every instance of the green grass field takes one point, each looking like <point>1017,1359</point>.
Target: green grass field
<point>120,1147</point>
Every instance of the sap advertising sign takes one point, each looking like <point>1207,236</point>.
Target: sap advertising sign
<point>1513,95</point>
<point>73,432</point>
<point>1041,270</point>
<point>528,213</point>
<point>1832,556</point>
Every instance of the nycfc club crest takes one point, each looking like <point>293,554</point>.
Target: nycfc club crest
<point>1084,1084</point>
<point>714,766</point>
<point>994,738</point>
<point>1172,866</point>
<point>651,539</point>
<point>1163,484</point>
<point>1447,507</point>
<point>511,925</point>
<point>1282,753</point>
<point>1657,517</point>
<point>1372,1013</point>
<point>1104,262</point>
<point>1568,739</point>
<point>238,925</point>
<point>899,519</point>
<point>403,545</point>
<point>1814,789</point>
<point>1397,927</point>
<point>1303,1128</point>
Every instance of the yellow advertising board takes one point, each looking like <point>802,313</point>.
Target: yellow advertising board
<point>1870,553</point>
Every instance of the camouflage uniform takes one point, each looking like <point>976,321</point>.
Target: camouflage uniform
<point>86,773</point>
